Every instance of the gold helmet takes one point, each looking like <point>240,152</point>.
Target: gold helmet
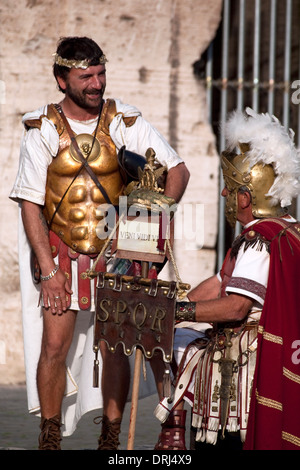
<point>261,157</point>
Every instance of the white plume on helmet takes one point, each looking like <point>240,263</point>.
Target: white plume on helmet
<point>270,143</point>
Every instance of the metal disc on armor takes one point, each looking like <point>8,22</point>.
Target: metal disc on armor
<point>89,150</point>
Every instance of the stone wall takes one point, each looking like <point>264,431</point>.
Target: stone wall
<point>151,46</point>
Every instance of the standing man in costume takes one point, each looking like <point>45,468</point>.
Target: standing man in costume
<point>240,372</point>
<point>60,201</point>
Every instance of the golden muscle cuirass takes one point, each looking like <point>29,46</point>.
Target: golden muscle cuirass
<point>80,220</point>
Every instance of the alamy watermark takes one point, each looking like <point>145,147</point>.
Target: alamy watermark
<point>296,354</point>
<point>189,220</point>
<point>2,352</point>
<point>296,94</point>
<point>2,92</point>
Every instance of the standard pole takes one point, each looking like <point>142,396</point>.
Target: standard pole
<point>134,398</point>
<point>136,381</point>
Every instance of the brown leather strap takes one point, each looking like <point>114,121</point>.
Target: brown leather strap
<point>84,284</point>
<point>65,256</point>
<point>64,262</point>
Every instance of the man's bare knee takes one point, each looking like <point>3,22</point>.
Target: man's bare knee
<point>57,336</point>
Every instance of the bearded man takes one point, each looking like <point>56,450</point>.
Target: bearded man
<point>60,195</point>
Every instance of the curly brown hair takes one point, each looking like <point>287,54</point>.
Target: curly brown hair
<point>76,48</point>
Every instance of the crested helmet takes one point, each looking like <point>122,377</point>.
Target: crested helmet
<point>261,157</point>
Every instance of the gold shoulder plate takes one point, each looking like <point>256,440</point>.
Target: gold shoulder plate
<point>54,116</point>
<point>34,123</point>
<point>108,113</point>
<point>129,121</point>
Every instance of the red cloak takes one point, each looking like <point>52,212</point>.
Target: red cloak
<point>274,420</point>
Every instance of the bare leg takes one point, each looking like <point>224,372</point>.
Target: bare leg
<point>51,373</point>
<point>115,381</point>
<point>158,368</point>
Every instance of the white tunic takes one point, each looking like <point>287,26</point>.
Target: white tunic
<point>38,147</point>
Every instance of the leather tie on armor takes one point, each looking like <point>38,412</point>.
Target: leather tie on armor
<point>50,436</point>
<point>109,438</point>
<point>172,436</point>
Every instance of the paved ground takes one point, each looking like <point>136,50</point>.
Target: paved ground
<point>19,429</point>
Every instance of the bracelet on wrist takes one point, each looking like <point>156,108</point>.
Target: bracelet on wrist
<point>50,275</point>
<point>185,311</point>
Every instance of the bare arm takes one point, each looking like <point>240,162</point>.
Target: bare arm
<point>210,307</point>
<point>37,233</point>
<point>176,182</point>
<point>206,290</point>
<point>233,307</point>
